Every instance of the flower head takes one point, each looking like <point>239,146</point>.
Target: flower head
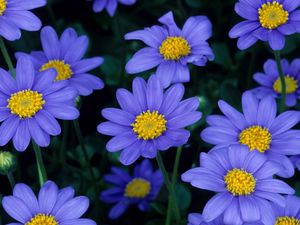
<point>171,48</point>
<point>271,84</point>
<point>65,56</point>
<point>258,129</point>
<point>139,189</point>
<point>243,182</point>
<point>31,104</point>
<point>52,207</point>
<point>110,5</point>
<point>266,20</point>
<point>288,214</point>
<point>149,120</point>
<point>15,15</point>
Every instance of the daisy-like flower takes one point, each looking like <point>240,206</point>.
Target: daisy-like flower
<point>290,213</point>
<point>15,15</point>
<point>244,184</point>
<point>150,120</point>
<point>271,84</point>
<point>110,5</point>
<point>52,207</point>
<point>257,128</point>
<point>139,189</point>
<point>65,56</point>
<point>197,219</point>
<point>30,105</point>
<point>171,48</point>
<point>266,20</point>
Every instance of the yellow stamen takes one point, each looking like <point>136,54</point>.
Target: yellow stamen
<point>290,83</point>
<point>3,4</point>
<point>149,125</point>
<point>42,219</point>
<point>137,188</point>
<point>239,182</point>
<point>63,69</point>
<point>256,137</point>
<point>173,48</point>
<point>286,220</point>
<point>272,15</point>
<point>25,103</point>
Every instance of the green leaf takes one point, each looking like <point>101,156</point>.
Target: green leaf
<point>184,197</point>
<point>112,70</point>
<point>222,55</point>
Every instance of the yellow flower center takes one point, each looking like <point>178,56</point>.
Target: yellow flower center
<point>137,188</point>
<point>286,220</point>
<point>173,48</point>
<point>63,69</point>
<point>256,137</point>
<point>25,103</point>
<point>3,4</point>
<point>149,125</point>
<point>239,182</point>
<point>42,219</point>
<point>290,83</point>
<point>272,15</point>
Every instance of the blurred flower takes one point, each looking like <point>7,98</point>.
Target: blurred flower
<point>64,55</point>
<point>7,162</point>
<point>258,128</point>
<point>244,184</point>
<point>110,5</point>
<point>171,49</point>
<point>271,84</point>
<point>149,120</point>
<point>139,189</point>
<point>14,16</point>
<point>52,207</point>
<point>266,20</point>
<point>30,105</point>
<point>288,214</point>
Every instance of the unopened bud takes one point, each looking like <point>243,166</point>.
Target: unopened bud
<point>7,162</point>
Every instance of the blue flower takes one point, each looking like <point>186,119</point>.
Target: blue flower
<point>266,20</point>
<point>53,206</point>
<point>171,48</point>
<point>139,189</point>
<point>30,105</point>
<point>244,184</point>
<point>15,15</point>
<point>257,128</point>
<point>150,120</point>
<point>271,84</point>
<point>65,56</point>
<point>110,5</point>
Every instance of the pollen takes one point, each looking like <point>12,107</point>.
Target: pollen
<point>149,125</point>
<point>272,15</point>
<point>256,137</point>
<point>42,219</point>
<point>286,220</point>
<point>3,4</point>
<point>137,188</point>
<point>25,103</point>
<point>63,69</point>
<point>290,83</point>
<point>173,48</point>
<point>239,182</point>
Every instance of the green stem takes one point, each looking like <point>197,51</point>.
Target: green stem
<point>173,182</point>
<point>170,188</point>
<point>11,179</point>
<point>40,164</point>
<point>282,80</point>
<point>86,158</point>
<point>7,58</point>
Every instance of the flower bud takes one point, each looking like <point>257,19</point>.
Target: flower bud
<point>7,162</point>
